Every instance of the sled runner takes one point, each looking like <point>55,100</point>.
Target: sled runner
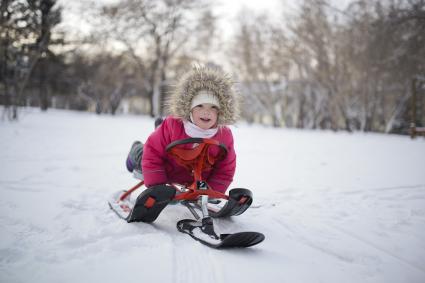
<point>198,197</point>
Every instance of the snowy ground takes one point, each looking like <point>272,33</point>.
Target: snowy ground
<point>335,207</point>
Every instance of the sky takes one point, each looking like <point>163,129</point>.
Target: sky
<point>226,9</point>
<point>229,10</point>
<point>76,26</point>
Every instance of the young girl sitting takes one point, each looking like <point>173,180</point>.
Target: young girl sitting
<point>201,105</point>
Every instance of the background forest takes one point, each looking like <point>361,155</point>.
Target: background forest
<point>319,66</point>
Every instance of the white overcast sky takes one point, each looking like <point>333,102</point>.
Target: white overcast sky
<point>75,25</point>
<point>226,9</point>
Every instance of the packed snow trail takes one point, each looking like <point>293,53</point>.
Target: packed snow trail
<point>335,207</point>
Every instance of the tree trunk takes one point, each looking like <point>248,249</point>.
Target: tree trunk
<point>42,88</point>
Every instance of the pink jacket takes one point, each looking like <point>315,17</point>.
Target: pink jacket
<point>159,168</point>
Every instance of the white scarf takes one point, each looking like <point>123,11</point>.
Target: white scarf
<point>195,132</point>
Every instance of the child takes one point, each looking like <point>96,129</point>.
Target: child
<point>201,105</point>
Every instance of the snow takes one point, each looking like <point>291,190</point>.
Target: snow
<point>334,207</point>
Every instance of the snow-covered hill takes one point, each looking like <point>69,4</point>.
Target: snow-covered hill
<point>335,207</point>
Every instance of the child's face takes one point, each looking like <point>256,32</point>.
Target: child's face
<point>205,115</point>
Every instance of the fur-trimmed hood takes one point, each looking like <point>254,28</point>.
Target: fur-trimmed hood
<point>203,78</point>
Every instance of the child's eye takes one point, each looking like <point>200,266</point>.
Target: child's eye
<point>214,107</point>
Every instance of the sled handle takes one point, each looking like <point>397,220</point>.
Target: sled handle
<point>222,147</point>
<point>196,159</point>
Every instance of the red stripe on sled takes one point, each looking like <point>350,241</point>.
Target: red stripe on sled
<point>149,202</point>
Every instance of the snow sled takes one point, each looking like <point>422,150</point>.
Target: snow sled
<point>198,197</point>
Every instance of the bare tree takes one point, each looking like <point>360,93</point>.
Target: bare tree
<point>260,64</point>
<point>388,51</point>
<point>153,32</point>
<point>24,39</point>
<point>348,69</point>
<point>106,80</point>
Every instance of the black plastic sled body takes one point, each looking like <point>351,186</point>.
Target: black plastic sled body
<point>147,206</point>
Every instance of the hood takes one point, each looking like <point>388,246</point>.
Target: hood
<point>203,78</point>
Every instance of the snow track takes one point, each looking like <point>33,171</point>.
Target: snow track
<point>333,207</point>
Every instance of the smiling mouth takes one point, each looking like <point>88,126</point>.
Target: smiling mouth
<point>205,119</point>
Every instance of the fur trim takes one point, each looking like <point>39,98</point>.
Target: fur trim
<point>203,78</point>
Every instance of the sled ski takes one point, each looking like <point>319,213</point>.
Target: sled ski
<point>203,232</point>
<point>147,206</point>
<point>150,203</point>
